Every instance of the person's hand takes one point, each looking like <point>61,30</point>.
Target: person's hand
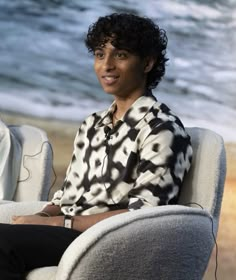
<point>37,220</point>
<point>29,219</point>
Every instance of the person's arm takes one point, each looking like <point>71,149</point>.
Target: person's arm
<point>50,210</point>
<point>71,170</point>
<point>80,223</point>
<point>165,157</point>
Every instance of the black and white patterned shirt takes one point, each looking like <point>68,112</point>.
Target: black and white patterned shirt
<point>140,162</point>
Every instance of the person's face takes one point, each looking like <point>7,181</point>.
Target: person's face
<point>120,72</point>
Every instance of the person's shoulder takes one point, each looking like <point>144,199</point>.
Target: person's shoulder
<point>162,111</point>
<point>97,115</point>
<point>93,118</point>
<point>163,114</point>
<point>162,108</point>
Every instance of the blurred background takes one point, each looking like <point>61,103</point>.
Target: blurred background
<point>47,78</point>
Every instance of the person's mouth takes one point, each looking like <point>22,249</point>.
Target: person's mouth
<point>110,79</point>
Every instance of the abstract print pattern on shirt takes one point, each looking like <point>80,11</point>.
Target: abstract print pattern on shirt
<point>140,162</point>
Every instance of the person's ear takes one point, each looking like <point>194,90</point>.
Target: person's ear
<point>148,65</point>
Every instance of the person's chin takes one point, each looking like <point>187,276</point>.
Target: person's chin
<point>109,90</point>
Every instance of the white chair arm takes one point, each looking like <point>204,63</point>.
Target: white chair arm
<point>166,234</point>
<point>7,210</point>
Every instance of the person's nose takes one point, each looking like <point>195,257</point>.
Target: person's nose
<point>109,63</point>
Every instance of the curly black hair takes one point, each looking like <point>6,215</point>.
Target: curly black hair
<point>138,35</point>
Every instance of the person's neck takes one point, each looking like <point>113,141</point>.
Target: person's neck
<point>123,104</point>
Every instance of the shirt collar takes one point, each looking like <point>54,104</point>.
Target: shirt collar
<point>135,113</point>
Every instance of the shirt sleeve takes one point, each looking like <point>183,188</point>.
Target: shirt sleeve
<point>56,200</point>
<point>165,157</point>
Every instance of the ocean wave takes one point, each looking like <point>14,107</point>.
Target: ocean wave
<point>45,70</point>
<point>73,110</point>
<point>193,112</point>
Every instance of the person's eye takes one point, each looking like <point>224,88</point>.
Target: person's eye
<point>121,55</point>
<point>99,54</point>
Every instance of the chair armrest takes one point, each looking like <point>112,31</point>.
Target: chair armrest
<point>7,210</point>
<point>165,242</point>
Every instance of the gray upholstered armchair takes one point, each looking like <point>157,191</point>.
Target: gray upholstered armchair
<point>26,163</point>
<point>166,242</point>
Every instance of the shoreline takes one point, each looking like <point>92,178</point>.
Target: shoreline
<point>49,125</point>
<point>61,135</point>
<point>66,131</point>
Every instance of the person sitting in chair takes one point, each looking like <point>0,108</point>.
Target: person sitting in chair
<point>131,156</point>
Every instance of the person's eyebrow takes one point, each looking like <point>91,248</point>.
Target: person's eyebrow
<point>98,48</point>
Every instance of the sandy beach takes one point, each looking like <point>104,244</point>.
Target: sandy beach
<point>61,135</point>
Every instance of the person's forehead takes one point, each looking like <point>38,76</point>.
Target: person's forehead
<point>113,43</point>
<point>106,45</point>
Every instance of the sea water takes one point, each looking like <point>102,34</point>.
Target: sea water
<point>46,71</point>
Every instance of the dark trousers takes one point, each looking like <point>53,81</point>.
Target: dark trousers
<point>25,247</point>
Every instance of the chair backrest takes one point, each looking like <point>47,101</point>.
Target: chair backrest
<point>10,161</point>
<point>204,183</point>
<point>36,163</point>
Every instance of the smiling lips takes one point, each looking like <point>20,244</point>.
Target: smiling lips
<point>110,80</point>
